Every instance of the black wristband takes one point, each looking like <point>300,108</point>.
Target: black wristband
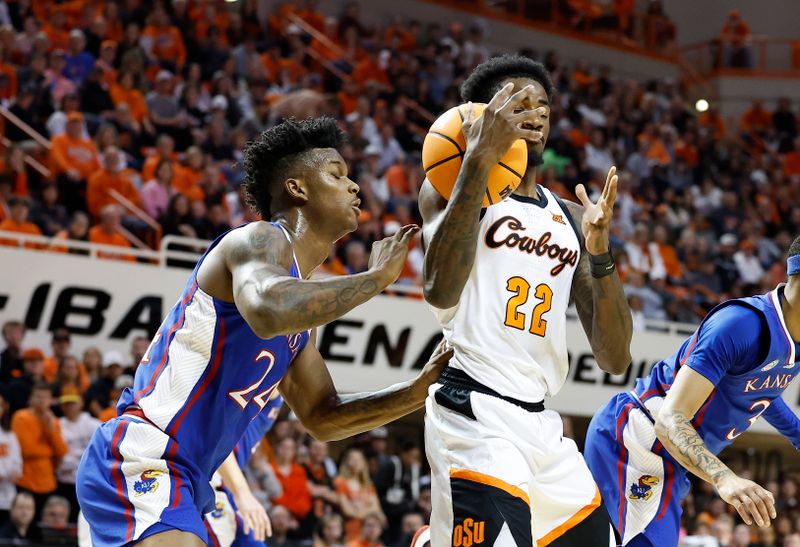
<point>601,265</point>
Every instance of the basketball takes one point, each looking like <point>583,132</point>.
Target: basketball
<point>444,148</point>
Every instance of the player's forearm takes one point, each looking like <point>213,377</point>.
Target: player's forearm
<point>296,305</point>
<point>612,325</point>
<point>232,476</point>
<point>356,413</point>
<point>681,440</point>
<point>450,252</point>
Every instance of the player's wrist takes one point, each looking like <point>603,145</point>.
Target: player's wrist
<point>601,264</point>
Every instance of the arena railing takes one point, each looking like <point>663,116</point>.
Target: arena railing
<point>761,56</point>
<point>184,252</point>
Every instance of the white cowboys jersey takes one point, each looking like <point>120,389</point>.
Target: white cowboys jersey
<point>508,329</point>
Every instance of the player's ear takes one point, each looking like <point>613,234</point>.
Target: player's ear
<point>296,189</point>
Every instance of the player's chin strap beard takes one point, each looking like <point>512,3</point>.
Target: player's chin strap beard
<point>534,159</point>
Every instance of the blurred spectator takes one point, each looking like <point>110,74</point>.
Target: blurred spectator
<point>98,396</point>
<point>41,443</point>
<point>735,38</point>
<point>55,513</point>
<point>49,215</point>
<point>122,382</point>
<point>358,497</point>
<point>281,521</point>
<point>330,531</point>
<point>397,485</point>
<point>111,177</point>
<point>108,232</point>
<point>78,230</point>
<point>77,428</point>
<point>320,471</point>
<point>10,461</point>
<point>11,357</point>
<point>750,269</point>
<point>139,346</point>
<point>79,62</point>
<point>157,192</point>
<point>18,222</point>
<point>410,524</point>
<point>70,377</point>
<point>20,387</point>
<point>92,363</point>
<point>60,342</point>
<point>20,529</point>
<point>371,532</point>
<point>296,495</point>
<point>74,159</point>
<point>164,41</point>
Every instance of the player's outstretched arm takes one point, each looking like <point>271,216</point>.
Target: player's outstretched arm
<point>253,514</point>
<point>274,303</point>
<point>675,431</point>
<point>783,419</point>
<point>600,301</point>
<point>330,416</point>
<point>450,228</point>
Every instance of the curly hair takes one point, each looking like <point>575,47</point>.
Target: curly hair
<point>794,248</point>
<point>267,159</point>
<point>485,80</point>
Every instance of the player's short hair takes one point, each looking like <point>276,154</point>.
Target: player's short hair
<point>267,159</point>
<point>794,248</point>
<point>488,76</point>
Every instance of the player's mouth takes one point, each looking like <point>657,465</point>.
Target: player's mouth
<point>356,206</point>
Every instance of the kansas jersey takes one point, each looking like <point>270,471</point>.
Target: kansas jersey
<point>255,432</point>
<point>744,349</point>
<point>204,378</point>
<point>508,329</point>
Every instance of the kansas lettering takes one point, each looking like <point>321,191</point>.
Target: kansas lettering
<point>506,232</point>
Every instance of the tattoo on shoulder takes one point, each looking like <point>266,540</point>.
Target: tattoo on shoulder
<point>264,243</point>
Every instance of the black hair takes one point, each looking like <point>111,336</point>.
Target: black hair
<point>794,248</point>
<point>485,80</point>
<point>267,158</point>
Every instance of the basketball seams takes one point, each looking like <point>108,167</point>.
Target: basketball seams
<point>445,160</point>
<point>510,169</point>
<point>447,138</point>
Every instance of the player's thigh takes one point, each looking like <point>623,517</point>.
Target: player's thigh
<point>479,476</point>
<point>172,538</point>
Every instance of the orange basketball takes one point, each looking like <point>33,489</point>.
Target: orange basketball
<point>444,148</point>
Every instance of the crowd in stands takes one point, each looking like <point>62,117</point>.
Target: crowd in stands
<point>155,101</point>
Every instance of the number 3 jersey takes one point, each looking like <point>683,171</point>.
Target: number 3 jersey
<point>205,377</point>
<point>508,328</point>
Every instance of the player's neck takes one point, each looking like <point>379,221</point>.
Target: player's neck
<point>791,307</point>
<point>528,186</point>
<point>310,244</point>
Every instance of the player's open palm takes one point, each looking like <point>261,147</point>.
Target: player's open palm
<point>504,120</point>
<point>254,516</point>
<point>596,219</point>
<point>753,502</point>
<point>388,255</point>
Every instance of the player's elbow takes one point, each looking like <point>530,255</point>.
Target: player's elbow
<point>438,295</point>
<point>264,322</point>
<point>614,363</point>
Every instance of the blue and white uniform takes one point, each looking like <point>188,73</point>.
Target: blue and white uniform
<point>225,526</point>
<point>744,349</point>
<point>204,378</point>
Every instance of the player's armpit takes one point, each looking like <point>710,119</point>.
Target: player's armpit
<point>273,302</point>
<point>783,419</point>
<point>309,391</point>
<point>603,310</point>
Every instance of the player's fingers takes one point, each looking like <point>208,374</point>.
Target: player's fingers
<point>762,517</point>
<point>268,529</point>
<point>751,508</point>
<point>246,522</point>
<point>766,504</point>
<point>742,510</point>
<point>528,134</point>
<point>580,193</point>
<point>769,499</point>
<point>408,236</point>
<point>612,191</point>
<point>468,120</point>
<point>518,98</point>
<point>611,173</point>
<point>519,118</point>
<point>500,97</point>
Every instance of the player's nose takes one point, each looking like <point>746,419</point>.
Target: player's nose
<point>353,187</point>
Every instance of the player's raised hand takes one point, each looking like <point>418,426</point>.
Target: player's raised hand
<point>254,516</point>
<point>388,255</point>
<point>751,501</point>
<point>596,219</point>
<point>504,120</point>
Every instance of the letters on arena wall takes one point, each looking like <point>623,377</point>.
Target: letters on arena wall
<point>386,340</point>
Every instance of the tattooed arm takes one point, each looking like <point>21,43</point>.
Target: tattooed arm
<point>309,391</point>
<point>275,303</point>
<point>601,303</point>
<point>675,431</point>
<point>450,228</point>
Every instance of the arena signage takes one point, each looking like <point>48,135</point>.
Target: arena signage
<point>106,303</point>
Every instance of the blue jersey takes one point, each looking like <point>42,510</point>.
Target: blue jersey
<point>256,431</point>
<point>744,348</point>
<point>204,379</point>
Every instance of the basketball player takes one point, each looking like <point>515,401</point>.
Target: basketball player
<point>500,281</point>
<point>642,444</point>
<point>246,314</point>
<point>227,524</point>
